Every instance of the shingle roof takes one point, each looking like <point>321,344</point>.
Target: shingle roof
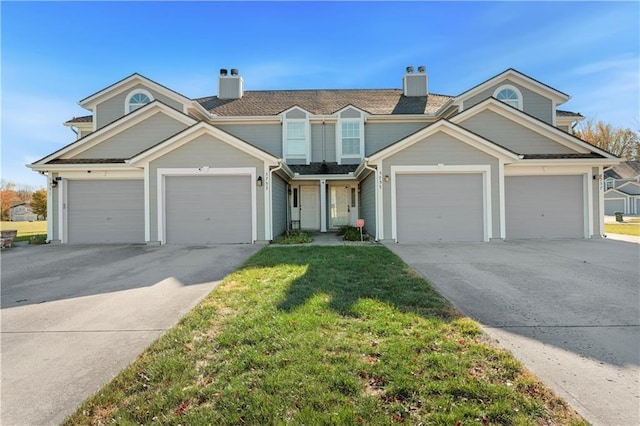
<point>323,168</point>
<point>563,113</point>
<point>626,170</point>
<point>87,161</point>
<point>373,101</point>
<point>560,156</point>
<point>83,119</point>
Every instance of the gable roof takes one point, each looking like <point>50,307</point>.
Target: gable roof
<point>624,170</point>
<point>325,101</point>
<point>536,125</point>
<point>198,129</point>
<point>451,129</point>
<point>517,77</point>
<point>131,81</point>
<point>120,124</point>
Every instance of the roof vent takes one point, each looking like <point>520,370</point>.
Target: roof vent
<point>415,84</point>
<point>230,86</point>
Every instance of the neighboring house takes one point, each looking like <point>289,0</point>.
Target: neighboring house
<point>622,188</point>
<point>495,162</point>
<point>22,213</point>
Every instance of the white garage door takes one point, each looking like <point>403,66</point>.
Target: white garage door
<point>208,209</point>
<point>439,207</point>
<point>544,207</point>
<point>612,206</point>
<point>105,211</point>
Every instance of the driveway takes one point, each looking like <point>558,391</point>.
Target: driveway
<point>568,309</point>
<point>73,316</point>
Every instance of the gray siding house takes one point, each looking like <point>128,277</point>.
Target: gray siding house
<point>495,162</point>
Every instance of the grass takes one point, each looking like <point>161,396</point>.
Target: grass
<point>631,228</point>
<point>316,335</point>
<point>26,230</point>
<point>294,237</point>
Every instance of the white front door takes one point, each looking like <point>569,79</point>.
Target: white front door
<point>340,206</point>
<point>310,207</point>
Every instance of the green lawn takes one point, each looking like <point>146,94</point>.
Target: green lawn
<point>632,228</point>
<point>26,229</point>
<point>318,336</point>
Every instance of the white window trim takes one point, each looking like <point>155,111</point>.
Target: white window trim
<point>509,87</point>
<point>339,153</point>
<point>307,135</point>
<point>131,94</point>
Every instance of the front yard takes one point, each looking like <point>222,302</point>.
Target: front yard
<point>26,229</point>
<point>631,226</point>
<point>324,335</point>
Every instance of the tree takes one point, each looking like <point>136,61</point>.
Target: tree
<point>8,198</point>
<point>39,203</point>
<point>625,143</point>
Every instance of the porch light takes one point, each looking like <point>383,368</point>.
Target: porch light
<point>386,178</point>
<point>259,181</point>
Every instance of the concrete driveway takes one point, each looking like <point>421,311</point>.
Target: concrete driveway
<point>568,309</point>
<point>73,316</point>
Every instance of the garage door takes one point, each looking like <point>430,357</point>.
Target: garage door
<point>612,206</point>
<point>208,209</point>
<point>544,207</point>
<point>439,207</point>
<point>105,211</point>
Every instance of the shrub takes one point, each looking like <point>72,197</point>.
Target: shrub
<point>294,237</point>
<point>351,233</point>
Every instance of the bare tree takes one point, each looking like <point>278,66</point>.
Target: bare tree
<point>625,143</point>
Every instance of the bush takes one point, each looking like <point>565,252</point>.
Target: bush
<point>38,239</point>
<point>294,237</point>
<point>351,233</point>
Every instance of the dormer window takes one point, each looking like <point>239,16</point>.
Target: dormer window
<point>296,135</point>
<point>136,99</point>
<point>350,135</point>
<point>510,95</point>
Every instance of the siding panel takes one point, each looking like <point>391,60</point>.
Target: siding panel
<point>512,135</point>
<point>532,103</point>
<point>113,108</point>
<point>379,135</point>
<point>265,136</point>
<point>368,204</point>
<point>279,205</point>
<point>136,139</point>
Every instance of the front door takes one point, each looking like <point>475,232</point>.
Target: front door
<point>310,207</point>
<point>340,206</point>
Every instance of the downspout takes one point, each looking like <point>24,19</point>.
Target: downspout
<point>324,141</point>
<point>279,167</point>
<point>375,181</point>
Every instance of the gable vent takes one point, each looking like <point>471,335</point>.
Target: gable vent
<point>230,86</point>
<point>415,84</point>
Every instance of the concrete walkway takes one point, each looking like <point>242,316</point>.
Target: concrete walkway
<point>568,309</point>
<point>73,316</point>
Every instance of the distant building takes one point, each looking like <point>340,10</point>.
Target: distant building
<point>22,213</point>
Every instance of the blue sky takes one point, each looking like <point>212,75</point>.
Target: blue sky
<point>56,53</point>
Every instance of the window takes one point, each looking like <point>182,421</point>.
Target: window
<point>136,99</point>
<point>295,197</point>
<point>510,95</point>
<point>296,138</point>
<point>350,138</point>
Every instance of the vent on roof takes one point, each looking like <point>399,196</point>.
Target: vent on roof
<point>415,84</point>
<point>230,87</point>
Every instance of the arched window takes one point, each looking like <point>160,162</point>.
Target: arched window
<point>509,95</point>
<point>136,99</point>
